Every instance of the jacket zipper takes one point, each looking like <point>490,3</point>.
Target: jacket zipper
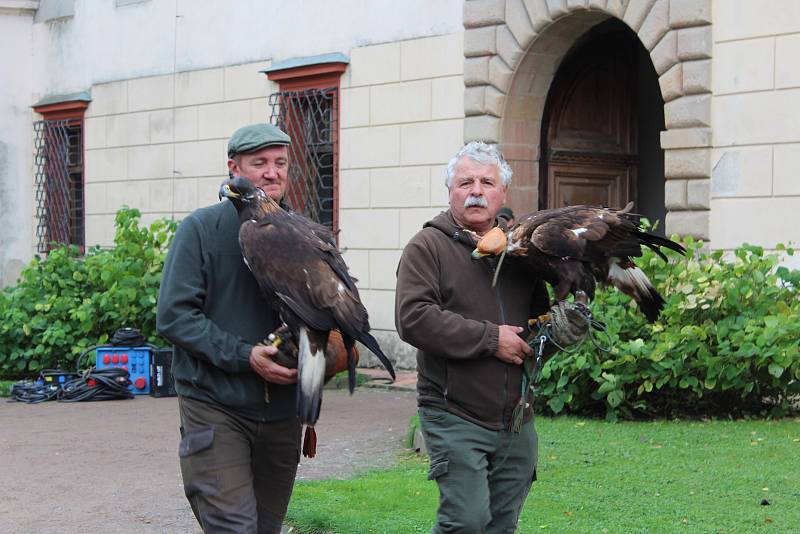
<point>502,321</point>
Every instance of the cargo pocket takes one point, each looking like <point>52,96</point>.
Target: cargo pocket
<point>196,440</point>
<point>438,469</point>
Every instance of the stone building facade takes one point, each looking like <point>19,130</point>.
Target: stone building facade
<point>166,83</point>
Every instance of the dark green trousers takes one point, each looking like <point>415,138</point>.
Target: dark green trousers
<point>238,474</point>
<point>483,475</point>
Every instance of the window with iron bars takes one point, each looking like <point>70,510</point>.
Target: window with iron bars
<point>310,117</point>
<point>59,183</point>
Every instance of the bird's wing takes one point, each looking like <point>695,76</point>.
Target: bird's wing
<point>301,265</point>
<point>565,232</point>
<point>302,270</point>
<point>283,268</point>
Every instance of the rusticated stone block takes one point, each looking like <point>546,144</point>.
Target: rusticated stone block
<point>675,194</point>
<point>698,195</point>
<point>687,13</point>
<point>617,7</point>
<point>476,70</point>
<point>694,43</point>
<point>574,5</point>
<point>636,12</point>
<point>665,53</point>
<point>507,47</point>
<point>474,98</point>
<point>539,14</point>
<point>482,128</point>
<point>671,83</point>
<point>655,25</point>
<point>557,8</point>
<point>687,163</point>
<point>686,138</point>
<point>480,41</point>
<point>494,101</point>
<point>519,23</point>
<point>688,112</point>
<point>697,77</point>
<point>483,13</point>
<point>694,223</point>
<point>500,74</point>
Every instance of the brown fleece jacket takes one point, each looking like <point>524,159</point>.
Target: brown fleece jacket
<point>447,308</point>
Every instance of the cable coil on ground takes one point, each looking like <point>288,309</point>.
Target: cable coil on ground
<point>96,385</point>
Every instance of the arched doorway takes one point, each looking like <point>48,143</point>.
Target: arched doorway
<point>512,56</point>
<point>601,125</point>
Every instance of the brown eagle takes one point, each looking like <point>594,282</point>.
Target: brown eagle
<point>302,274</point>
<point>574,247</point>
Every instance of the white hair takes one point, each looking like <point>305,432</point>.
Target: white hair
<point>484,154</point>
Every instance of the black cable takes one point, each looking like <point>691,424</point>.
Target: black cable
<point>31,392</point>
<point>96,385</point>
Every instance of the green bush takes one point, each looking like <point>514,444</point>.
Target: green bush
<point>727,343</point>
<point>68,302</point>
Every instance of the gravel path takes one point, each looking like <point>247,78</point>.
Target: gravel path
<point>112,467</point>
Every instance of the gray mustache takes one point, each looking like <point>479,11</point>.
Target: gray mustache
<point>476,201</point>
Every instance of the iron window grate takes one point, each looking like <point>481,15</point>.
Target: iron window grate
<point>310,118</point>
<point>59,183</point>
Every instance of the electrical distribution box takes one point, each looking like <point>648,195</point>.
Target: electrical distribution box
<point>135,360</point>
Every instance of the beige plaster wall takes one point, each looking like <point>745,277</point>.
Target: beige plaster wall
<point>755,186</point>
<point>159,143</point>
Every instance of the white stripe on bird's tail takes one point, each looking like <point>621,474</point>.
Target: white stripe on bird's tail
<point>632,281</point>
<point>310,379</point>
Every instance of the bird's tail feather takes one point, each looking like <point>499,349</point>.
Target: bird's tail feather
<point>632,281</point>
<point>372,344</point>
<point>310,378</point>
<point>656,241</point>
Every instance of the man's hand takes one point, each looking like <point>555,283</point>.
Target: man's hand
<point>510,347</point>
<point>261,361</point>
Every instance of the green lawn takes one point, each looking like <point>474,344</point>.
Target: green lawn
<point>599,477</point>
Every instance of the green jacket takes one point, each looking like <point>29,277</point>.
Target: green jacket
<point>211,308</point>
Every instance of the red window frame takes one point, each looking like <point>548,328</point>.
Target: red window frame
<point>73,112</point>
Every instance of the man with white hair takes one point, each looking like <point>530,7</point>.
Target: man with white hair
<point>470,350</point>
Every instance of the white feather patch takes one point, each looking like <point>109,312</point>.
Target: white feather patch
<point>579,231</point>
<point>629,277</point>
<point>310,367</point>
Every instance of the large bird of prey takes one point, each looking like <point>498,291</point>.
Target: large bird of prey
<point>302,274</point>
<point>574,247</point>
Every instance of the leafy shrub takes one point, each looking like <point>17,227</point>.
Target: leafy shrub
<point>68,302</point>
<point>727,343</point>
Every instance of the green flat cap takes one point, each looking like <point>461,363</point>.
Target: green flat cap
<point>255,136</point>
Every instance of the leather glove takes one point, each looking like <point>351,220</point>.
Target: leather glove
<point>570,322</point>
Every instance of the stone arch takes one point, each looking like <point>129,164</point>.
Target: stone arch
<point>513,49</point>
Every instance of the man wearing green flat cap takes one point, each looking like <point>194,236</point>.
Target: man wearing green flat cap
<point>238,452</point>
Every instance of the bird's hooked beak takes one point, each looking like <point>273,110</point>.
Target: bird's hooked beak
<point>492,243</point>
<point>225,191</point>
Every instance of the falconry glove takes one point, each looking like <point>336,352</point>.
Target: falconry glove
<point>570,322</point>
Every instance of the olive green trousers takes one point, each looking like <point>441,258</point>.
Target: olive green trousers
<point>483,475</point>
<point>238,474</point>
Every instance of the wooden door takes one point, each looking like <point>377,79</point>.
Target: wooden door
<point>589,150</point>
